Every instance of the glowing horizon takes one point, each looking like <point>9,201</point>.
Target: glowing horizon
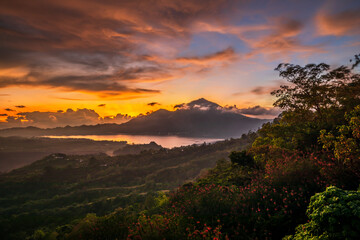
<point>118,57</point>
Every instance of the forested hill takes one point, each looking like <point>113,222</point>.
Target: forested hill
<point>16,152</point>
<point>60,188</point>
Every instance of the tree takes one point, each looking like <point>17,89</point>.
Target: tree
<point>333,214</point>
<point>317,87</point>
<point>317,97</point>
<point>345,141</point>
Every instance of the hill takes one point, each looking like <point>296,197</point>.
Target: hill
<point>60,188</point>
<point>17,152</point>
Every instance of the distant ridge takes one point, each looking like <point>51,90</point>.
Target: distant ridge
<point>198,118</point>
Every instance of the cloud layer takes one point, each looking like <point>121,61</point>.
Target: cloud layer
<point>60,118</point>
<point>109,47</point>
<point>339,24</point>
<point>98,47</point>
<point>260,111</point>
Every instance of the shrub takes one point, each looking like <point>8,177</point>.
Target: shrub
<point>333,214</point>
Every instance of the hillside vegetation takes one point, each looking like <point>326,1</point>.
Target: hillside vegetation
<point>17,152</point>
<point>60,188</point>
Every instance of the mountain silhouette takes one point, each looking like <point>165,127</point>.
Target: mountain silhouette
<point>199,118</point>
<point>203,103</point>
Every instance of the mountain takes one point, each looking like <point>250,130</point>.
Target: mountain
<point>202,102</point>
<point>199,118</point>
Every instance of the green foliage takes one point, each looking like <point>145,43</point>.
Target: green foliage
<point>318,88</point>
<point>345,142</point>
<point>268,205</point>
<point>241,158</point>
<point>112,226</point>
<point>38,235</point>
<point>316,98</point>
<point>226,173</point>
<point>60,189</point>
<point>333,214</point>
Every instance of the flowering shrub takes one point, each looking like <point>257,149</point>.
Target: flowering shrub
<point>268,207</point>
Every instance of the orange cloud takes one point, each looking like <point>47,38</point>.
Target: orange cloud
<point>93,46</point>
<point>97,47</point>
<point>281,40</point>
<point>273,38</point>
<point>225,55</point>
<point>239,31</point>
<point>339,24</point>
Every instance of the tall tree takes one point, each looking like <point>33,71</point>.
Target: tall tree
<point>317,97</point>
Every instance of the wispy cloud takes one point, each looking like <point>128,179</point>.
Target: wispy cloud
<point>340,23</point>
<point>223,56</point>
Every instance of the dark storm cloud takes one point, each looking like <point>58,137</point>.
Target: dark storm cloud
<point>9,110</point>
<point>3,114</point>
<point>20,106</point>
<point>102,105</point>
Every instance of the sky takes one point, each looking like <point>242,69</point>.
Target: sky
<point>97,61</point>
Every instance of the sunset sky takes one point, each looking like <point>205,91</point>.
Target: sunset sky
<point>110,57</point>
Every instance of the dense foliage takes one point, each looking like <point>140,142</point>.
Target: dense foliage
<point>61,188</point>
<point>333,214</point>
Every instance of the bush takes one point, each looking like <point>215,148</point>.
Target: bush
<point>241,158</point>
<point>333,214</point>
